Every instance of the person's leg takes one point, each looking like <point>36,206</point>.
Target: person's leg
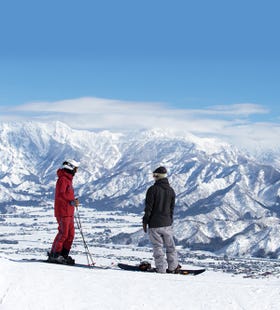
<point>62,235</point>
<point>67,244</point>
<point>171,253</point>
<point>158,252</point>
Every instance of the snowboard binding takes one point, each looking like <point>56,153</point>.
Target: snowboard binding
<point>145,266</point>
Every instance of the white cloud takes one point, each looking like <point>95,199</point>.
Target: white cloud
<point>244,109</point>
<point>231,122</point>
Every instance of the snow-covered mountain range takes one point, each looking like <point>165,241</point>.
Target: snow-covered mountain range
<point>227,202</point>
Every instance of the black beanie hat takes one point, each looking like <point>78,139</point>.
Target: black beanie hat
<point>161,170</point>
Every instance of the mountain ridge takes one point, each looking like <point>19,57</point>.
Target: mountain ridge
<point>227,202</point>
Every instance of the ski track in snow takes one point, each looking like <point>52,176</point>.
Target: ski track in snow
<point>26,285</point>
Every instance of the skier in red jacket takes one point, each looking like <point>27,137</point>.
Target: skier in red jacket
<point>64,208</point>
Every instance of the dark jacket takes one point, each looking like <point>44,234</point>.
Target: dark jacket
<point>159,204</point>
<point>64,194</point>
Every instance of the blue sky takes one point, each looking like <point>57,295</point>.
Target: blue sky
<point>207,66</point>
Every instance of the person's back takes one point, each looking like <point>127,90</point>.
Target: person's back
<point>159,204</point>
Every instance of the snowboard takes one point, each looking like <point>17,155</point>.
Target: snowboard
<point>193,272</point>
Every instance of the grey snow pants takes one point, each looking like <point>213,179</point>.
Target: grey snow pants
<point>163,237</point>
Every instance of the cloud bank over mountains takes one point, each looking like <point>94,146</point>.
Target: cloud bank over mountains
<point>234,123</point>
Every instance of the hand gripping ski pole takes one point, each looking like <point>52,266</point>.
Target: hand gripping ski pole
<point>90,260</point>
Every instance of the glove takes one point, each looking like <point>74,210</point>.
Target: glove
<point>145,227</point>
<point>76,202</point>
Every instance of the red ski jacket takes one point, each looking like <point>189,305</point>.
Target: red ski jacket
<point>64,204</point>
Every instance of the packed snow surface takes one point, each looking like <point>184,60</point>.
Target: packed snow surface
<point>26,285</point>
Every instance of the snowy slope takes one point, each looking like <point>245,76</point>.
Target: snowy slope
<point>35,286</point>
<point>227,202</point>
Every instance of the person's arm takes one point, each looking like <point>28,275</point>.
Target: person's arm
<point>149,203</point>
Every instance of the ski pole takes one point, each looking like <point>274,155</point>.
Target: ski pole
<point>87,252</point>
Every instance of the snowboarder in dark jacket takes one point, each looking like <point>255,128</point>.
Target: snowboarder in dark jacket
<point>159,208</point>
<point>64,208</point>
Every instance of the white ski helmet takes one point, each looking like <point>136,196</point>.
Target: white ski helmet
<point>70,164</point>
